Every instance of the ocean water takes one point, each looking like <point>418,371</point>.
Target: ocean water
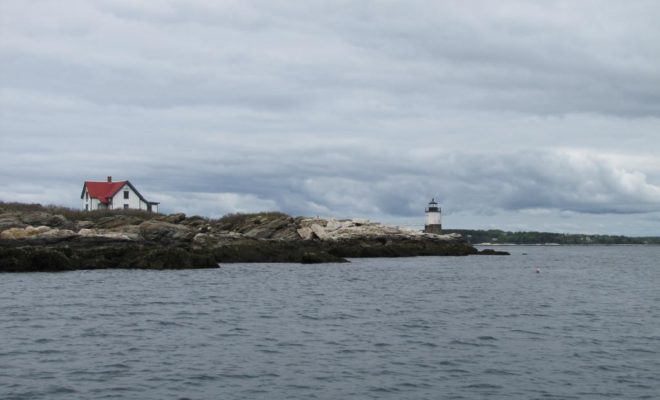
<point>586,327</point>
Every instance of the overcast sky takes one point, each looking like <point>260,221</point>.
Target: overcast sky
<point>519,115</point>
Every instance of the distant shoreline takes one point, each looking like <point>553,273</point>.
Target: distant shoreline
<point>496,237</point>
<point>562,245</point>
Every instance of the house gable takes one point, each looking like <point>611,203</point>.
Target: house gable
<point>128,197</point>
<point>102,191</point>
<point>111,195</point>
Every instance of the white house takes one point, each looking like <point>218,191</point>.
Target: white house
<point>114,196</point>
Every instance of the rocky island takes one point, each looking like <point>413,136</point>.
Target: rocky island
<point>38,238</point>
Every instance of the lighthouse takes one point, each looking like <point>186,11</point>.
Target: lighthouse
<point>433,222</point>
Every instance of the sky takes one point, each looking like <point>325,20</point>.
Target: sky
<point>514,115</point>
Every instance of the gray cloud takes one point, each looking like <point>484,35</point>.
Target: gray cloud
<point>524,110</point>
<point>535,60</point>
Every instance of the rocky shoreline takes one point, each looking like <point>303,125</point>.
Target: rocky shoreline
<point>36,238</point>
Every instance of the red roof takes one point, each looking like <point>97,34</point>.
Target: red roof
<point>103,190</point>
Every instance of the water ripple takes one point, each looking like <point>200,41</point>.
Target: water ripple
<point>420,328</point>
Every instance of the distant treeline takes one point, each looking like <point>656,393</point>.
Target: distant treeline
<point>498,236</point>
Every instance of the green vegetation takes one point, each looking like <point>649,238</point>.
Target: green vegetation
<point>238,219</point>
<point>498,236</point>
<point>73,214</point>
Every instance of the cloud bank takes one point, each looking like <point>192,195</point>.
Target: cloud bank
<point>520,114</point>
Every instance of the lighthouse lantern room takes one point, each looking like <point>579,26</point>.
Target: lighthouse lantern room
<point>433,221</point>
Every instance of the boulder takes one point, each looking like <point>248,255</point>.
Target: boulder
<point>308,222</point>
<point>288,232</point>
<point>87,232</point>
<point>23,233</point>
<point>165,232</point>
<point>194,221</point>
<point>333,225</point>
<point>131,231</point>
<point>271,228</point>
<point>35,218</point>
<point>10,220</point>
<point>173,218</point>
<point>211,240</point>
<point>306,233</point>
<point>56,234</point>
<point>491,252</point>
<point>204,240</point>
<point>360,221</point>
<point>108,234</point>
<point>319,231</point>
<point>59,221</point>
<point>84,225</point>
<point>39,232</point>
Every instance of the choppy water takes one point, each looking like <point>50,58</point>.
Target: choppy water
<point>586,327</point>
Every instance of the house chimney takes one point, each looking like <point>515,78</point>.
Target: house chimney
<point>109,179</point>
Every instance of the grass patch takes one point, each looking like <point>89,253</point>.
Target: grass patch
<point>73,214</point>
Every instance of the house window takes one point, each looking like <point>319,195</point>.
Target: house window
<point>125,206</point>
<point>126,194</point>
<point>86,207</point>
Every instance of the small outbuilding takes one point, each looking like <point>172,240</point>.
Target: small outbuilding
<point>111,195</point>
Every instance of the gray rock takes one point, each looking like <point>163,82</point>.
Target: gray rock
<point>39,232</point>
<point>332,230</point>
<point>23,233</point>
<point>123,234</point>
<point>319,231</point>
<point>195,221</point>
<point>287,233</point>
<point>56,233</point>
<point>35,218</point>
<point>10,220</point>
<point>306,233</point>
<point>132,231</point>
<point>173,218</point>
<point>84,225</point>
<point>59,221</point>
<point>269,229</point>
<point>165,232</point>
<point>333,225</point>
<point>360,221</point>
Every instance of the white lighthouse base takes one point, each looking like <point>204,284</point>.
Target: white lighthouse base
<point>434,228</point>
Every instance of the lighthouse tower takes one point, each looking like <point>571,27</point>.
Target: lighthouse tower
<point>433,221</point>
